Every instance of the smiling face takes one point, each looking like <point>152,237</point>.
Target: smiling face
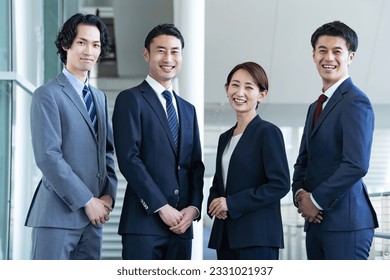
<point>332,58</point>
<point>243,92</point>
<point>84,51</point>
<point>164,58</point>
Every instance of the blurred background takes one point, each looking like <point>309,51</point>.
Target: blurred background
<point>218,35</point>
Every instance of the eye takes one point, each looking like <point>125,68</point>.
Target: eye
<point>80,43</point>
<point>97,46</point>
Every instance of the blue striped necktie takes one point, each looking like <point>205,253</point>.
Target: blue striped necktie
<point>172,117</point>
<point>90,106</point>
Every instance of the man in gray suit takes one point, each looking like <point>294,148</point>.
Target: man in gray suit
<point>73,147</point>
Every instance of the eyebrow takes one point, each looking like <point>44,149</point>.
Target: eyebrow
<point>162,47</point>
<point>323,47</point>
<point>86,40</point>
<point>246,83</point>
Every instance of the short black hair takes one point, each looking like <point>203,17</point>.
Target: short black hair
<point>163,29</point>
<point>337,29</point>
<point>68,32</point>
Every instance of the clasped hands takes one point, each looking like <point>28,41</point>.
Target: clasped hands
<point>307,209</point>
<point>218,208</point>
<point>178,221</point>
<point>99,209</point>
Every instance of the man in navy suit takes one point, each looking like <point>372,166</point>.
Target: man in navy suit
<point>334,155</point>
<point>163,166</point>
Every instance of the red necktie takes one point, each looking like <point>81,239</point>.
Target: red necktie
<point>318,110</point>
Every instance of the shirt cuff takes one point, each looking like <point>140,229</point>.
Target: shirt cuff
<point>298,191</point>
<point>315,202</point>
<point>88,201</point>
<point>197,211</point>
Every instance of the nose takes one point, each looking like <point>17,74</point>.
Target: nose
<point>167,57</point>
<point>329,56</point>
<point>241,91</point>
<point>88,49</point>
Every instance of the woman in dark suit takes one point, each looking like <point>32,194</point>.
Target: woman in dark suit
<point>251,175</point>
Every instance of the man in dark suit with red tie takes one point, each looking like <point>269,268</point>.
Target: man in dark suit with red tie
<point>159,153</point>
<point>334,155</point>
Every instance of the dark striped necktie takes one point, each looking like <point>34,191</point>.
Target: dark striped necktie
<point>90,106</point>
<point>172,117</point>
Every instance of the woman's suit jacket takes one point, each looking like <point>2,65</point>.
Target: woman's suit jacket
<point>156,173</point>
<point>258,177</point>
<point>76,164</point>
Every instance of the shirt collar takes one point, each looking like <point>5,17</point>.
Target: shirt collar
<point>156,86</point>
<point>329,92</point>
<point>76,83</point>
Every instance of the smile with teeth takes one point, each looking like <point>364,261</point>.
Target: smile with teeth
<point>167,67</point>
<point>328,67</point>
<point>239,100</point>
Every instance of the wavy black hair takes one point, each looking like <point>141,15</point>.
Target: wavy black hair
<point>68,32</point>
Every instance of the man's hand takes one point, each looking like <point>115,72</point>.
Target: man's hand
<point>189,214</point>
<point>307,209</point>
<point>218,208</point>
<point>170,216</point>
<point>97,211</point>
<point>107,198</point>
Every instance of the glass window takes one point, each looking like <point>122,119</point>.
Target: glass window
<point>4,36</point>
<point>5,101</point>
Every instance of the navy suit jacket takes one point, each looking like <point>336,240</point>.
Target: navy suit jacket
<point>156,174</point>
<point>258,177</point>
<point>334,157</point>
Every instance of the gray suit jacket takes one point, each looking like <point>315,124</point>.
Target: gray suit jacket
<point>76,164</point>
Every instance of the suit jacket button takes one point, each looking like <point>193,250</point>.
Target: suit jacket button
<point>176,192</point>
<point>98,175</point>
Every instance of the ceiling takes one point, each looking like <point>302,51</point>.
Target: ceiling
<point>275,34</point>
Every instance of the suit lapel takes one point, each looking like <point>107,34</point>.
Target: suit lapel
<point>157,107</point>
<point>99,106</point>
<point>241,141</point>
<point>74,97</point>
<point>223,143</point>
<point>333,101</point>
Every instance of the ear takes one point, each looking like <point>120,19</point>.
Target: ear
<point>351,57</point>
<point>262,95</point>
<point>65,49</point>
<point>146,55</point>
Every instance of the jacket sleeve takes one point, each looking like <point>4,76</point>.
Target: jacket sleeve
<point>128,138</point>
<point>276,171</point>
<point>46,134</point>
<point>111,181</point>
